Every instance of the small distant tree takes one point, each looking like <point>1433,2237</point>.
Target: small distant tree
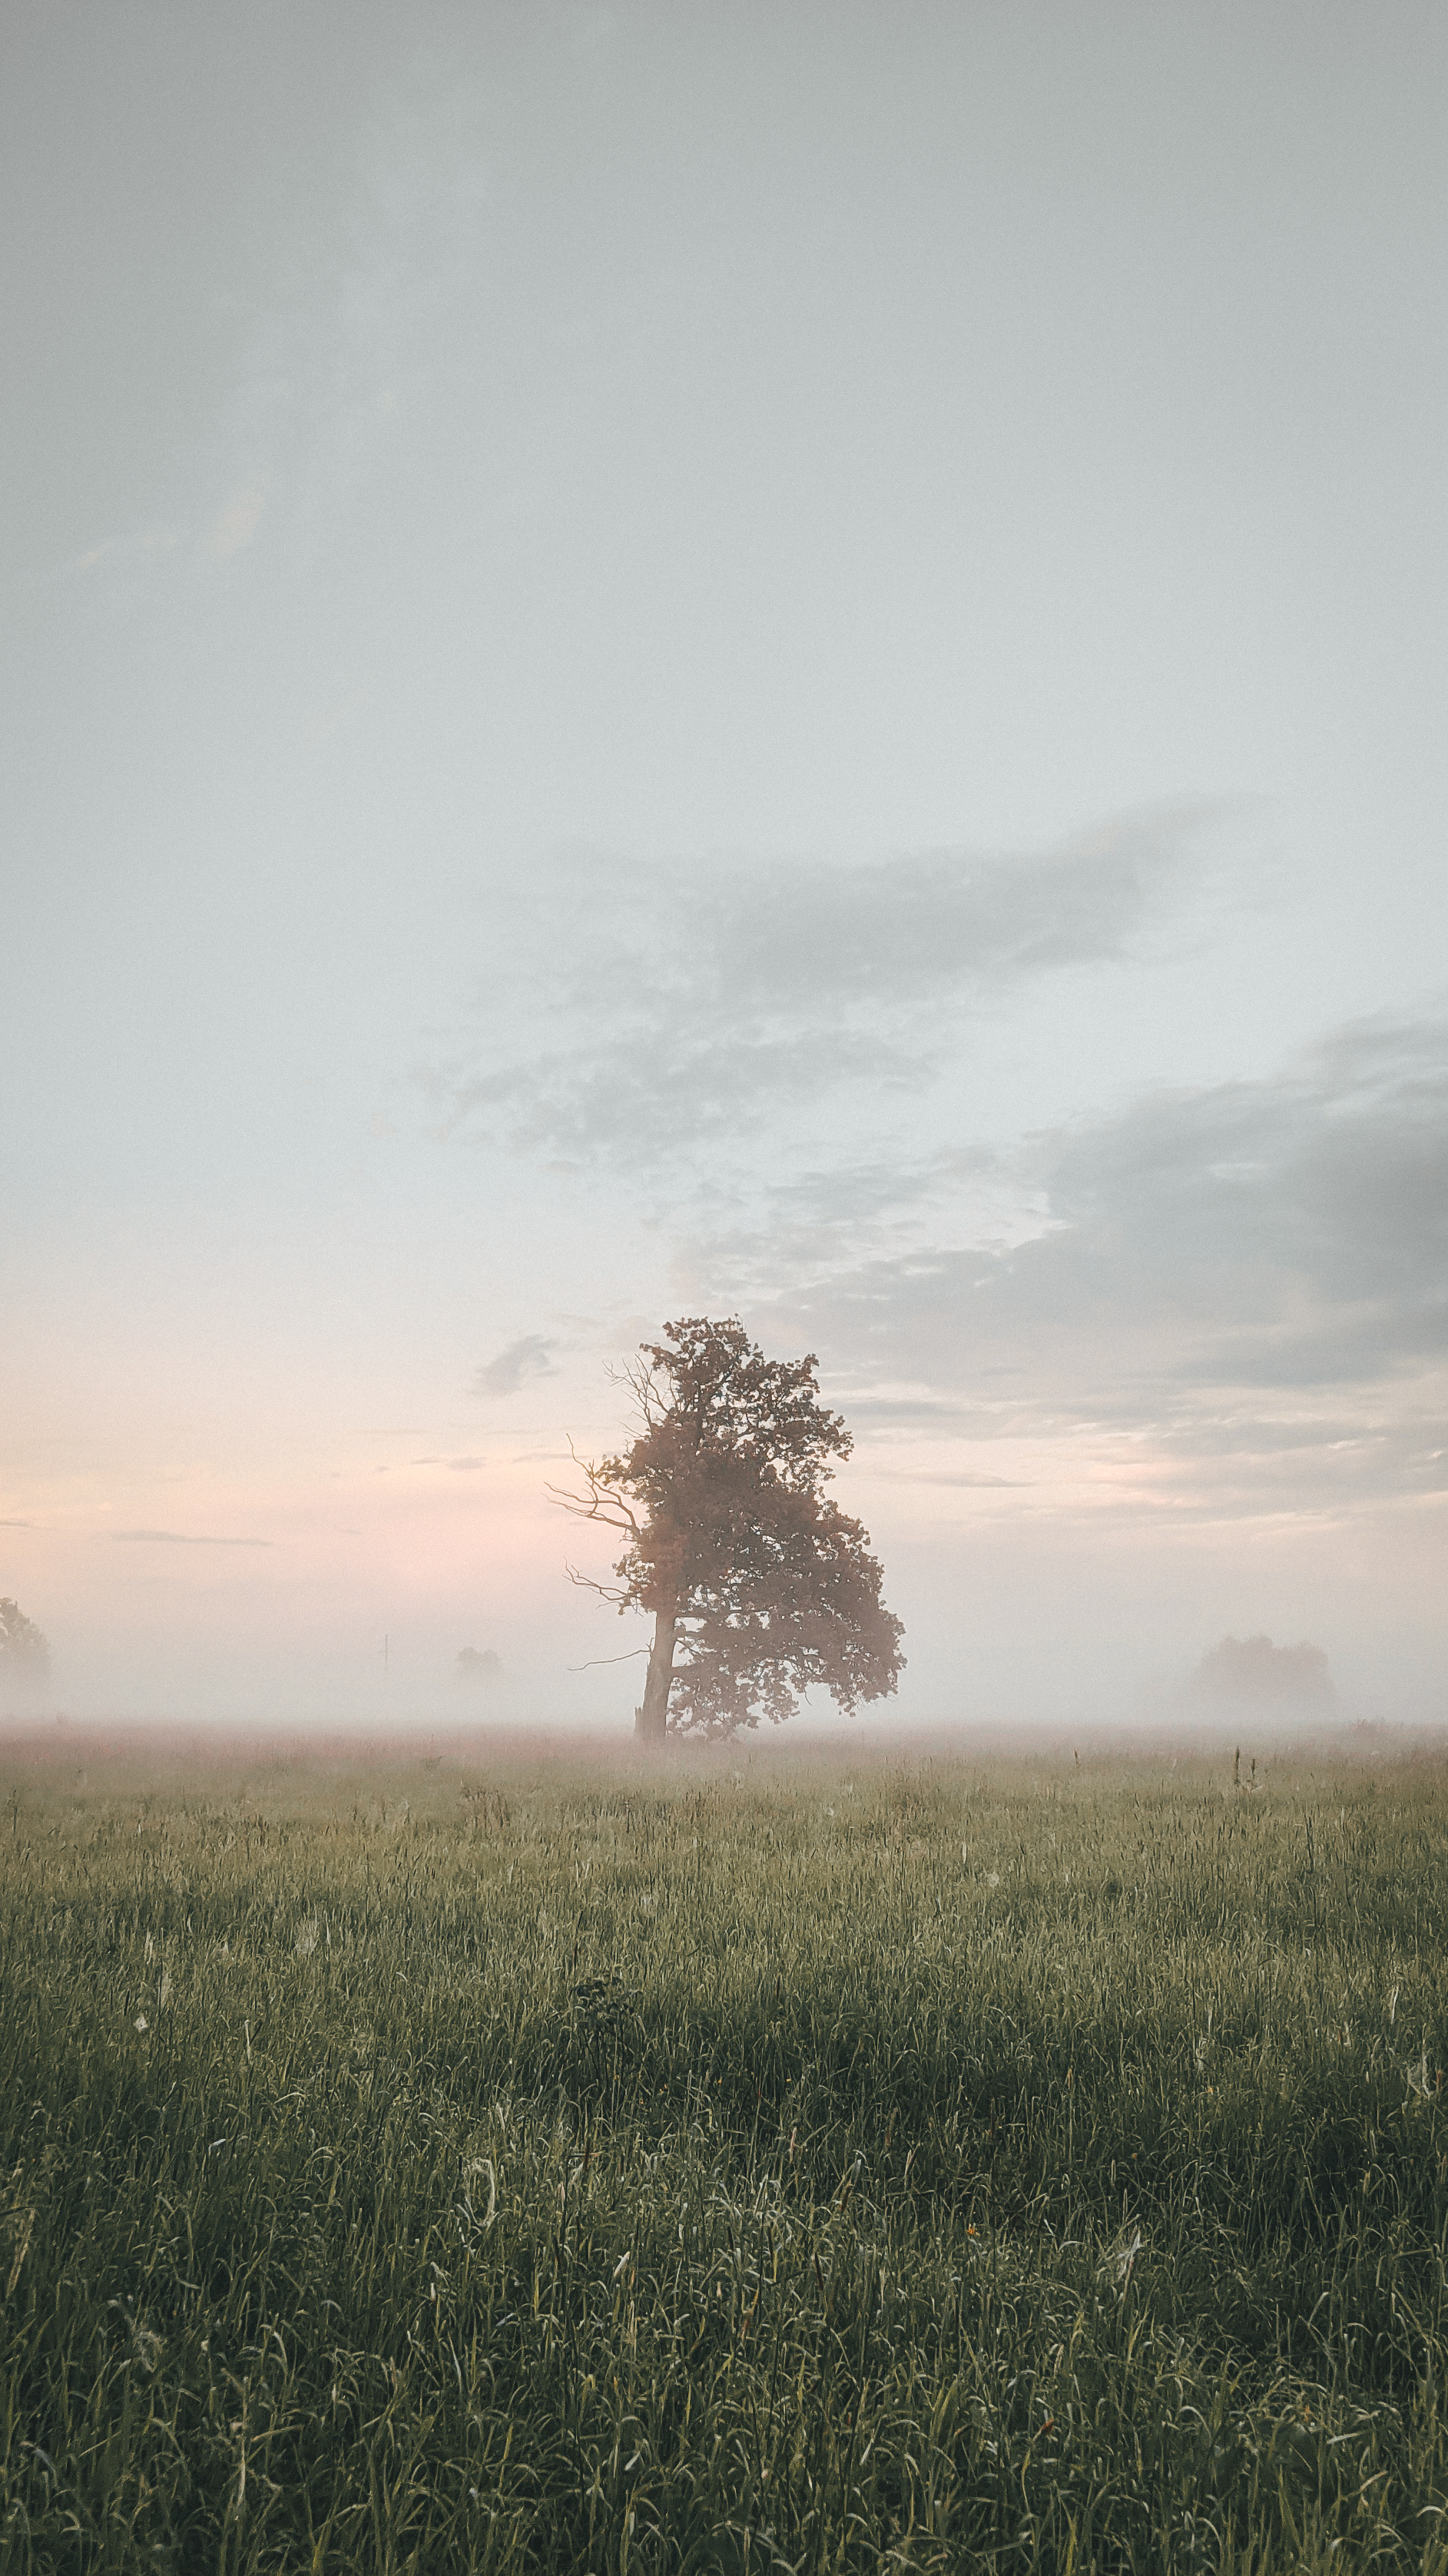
<point>759,1586</point>
<point>477,1671</point>
<point>24,1654</point>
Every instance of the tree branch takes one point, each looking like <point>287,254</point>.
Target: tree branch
<point>602,1503</point>
<point>613,1592</point>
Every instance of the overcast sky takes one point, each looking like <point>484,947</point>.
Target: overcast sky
<point>662,659</point>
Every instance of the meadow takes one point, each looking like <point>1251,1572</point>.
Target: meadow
<point>759,2163</point>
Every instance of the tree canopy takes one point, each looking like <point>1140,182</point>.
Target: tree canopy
<point>759,1585</point>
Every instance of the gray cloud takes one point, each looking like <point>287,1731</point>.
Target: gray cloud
<point>1295,1231</point>
<point>530,1356</point>
<point>181,1538</point>
<point>682,1007</point>
<point>946,1476</point>
<point>664,1083</point>
<point>1206,1267</point>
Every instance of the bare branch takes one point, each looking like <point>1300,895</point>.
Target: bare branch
<point>614,1592</point>
<point>595,1507</point>
<point>602,1502</point>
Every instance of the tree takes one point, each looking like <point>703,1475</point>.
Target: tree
<point>1252,1668</point>
<point>758,1584</point>
<point>24,1654</point>
<point>477,1671</point>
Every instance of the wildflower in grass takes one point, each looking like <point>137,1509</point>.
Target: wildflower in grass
<point>141,2022</point>
<point>307,1938</point>
<point>475,2167</point>
<point>1125,2252</point>
<point>992,1878</point>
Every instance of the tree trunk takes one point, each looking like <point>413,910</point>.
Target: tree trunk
<point>651,1718</point>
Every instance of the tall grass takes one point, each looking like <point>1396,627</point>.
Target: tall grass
<point>803,2167</point>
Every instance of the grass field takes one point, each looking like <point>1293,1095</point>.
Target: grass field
<point>738,2166</point>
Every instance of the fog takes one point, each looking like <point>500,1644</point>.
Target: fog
<point>779,663</point>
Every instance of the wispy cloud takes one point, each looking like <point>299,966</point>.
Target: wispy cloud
<point>949,1476</point>
<point>529,1357</point>
<point>124,549</point>
<point>672,1011</point>
<point>1250,1278</point>
<point>181,1538</point>
<point>237,523</point>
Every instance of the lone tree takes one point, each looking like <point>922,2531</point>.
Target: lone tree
<point>758,1584</point>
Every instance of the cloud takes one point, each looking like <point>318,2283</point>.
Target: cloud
<point>818,1222</point>
<point>672,1010</point>
<point>946,1476</point>
<point>146,541</point>
<point>236,524</point>
<point>529,1357</point>
<point>181,1538</point>
<point>1249,1280</point>
<point>1294,1232</point>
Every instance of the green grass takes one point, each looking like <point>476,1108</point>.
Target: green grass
<point>746,2166</point>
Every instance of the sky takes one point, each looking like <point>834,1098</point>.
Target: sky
<point>781,660</point>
